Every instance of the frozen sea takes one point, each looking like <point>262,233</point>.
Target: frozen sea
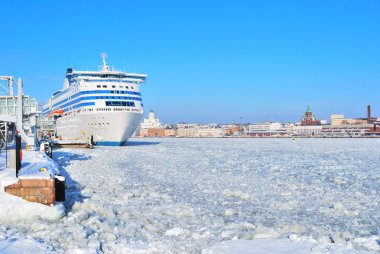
<point>194,195</point>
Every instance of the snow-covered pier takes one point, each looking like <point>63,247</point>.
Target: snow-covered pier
<point>36,181</point>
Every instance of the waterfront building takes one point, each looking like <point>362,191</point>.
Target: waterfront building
<point>209,131</point>
<point>305,131</point>
<point>375,130</point>
<point>266,129</point>
<point>195,130</point>
<point>155,132</point>
<point>309,119</point>
<point>339,119</point>
<point>151,126</point>
<point>151,122</point>
<point>186,125</point>
<point>231,129</point>
<point>141,133</point>
<point>346,130</point>
<point>170,132</point>
<point>336,119</point>
<point>267,126</point>
<point>189,131</point>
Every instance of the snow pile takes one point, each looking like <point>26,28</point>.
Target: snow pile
<point>16,210</point>
<point>194,195</point>
<point>13,208</point>
<point>20,246</point>
<point>32,164</point>
<point>7,177</point>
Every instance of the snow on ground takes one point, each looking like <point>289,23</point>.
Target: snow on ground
<point>20,246</point>
<point>215,196</point>
<point>33,161</point>
<point>283,246</point>
<point>13,208</point>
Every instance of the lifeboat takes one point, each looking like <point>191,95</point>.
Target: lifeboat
<point>56,113</point>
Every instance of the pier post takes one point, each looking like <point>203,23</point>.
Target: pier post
<point>18,154</point>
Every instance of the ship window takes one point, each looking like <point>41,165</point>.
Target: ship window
<point>98,86</point>
<point>104,86</point>
<point>113,86</point>
<point>117,91</point>
<point>127,87</point>
<point>121,86</point>
<point>112,91</point>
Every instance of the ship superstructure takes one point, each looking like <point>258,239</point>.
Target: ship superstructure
<point>106,104</point>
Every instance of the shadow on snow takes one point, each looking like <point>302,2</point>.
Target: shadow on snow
<point>73,188</point>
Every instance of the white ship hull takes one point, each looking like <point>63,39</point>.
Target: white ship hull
<point>105,104</point>
<point>107,128</point>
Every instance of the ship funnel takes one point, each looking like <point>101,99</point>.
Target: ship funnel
<point>369,114</point>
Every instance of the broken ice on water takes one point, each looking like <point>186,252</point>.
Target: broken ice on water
<point>194,195</point>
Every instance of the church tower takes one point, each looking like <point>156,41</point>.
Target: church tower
<point>309,119</point>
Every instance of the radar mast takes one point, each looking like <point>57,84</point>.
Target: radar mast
<point>105,66</point>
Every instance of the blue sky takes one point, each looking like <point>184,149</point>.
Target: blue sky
<point>207,61</point>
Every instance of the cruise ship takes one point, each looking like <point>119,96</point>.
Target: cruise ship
<point>104,104</point>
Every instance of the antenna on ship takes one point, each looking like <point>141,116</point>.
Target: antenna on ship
<point>105,66</point>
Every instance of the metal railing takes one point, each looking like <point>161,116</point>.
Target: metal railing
<point>7,134</point>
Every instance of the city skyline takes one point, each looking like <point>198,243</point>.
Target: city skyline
<point>207,62</point>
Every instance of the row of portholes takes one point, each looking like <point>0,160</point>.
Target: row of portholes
<point>105,86</point>
<point>99,124</point>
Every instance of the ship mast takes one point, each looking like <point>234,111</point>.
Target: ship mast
<point>105,66</point>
